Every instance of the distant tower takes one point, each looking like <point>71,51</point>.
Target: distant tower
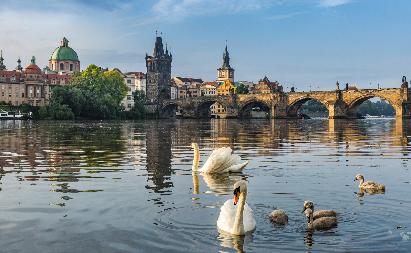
<point>158,73</point>
<point>226,72</point>
<point>19,67</point>
<point>2,66</point>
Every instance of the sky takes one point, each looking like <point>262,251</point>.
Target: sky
<point>301,43</point>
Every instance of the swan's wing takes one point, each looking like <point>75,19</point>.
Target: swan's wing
<point>228,211</point>
<point>237,167</point>
<point>248,219</point>
<point>217,161</point>
<point>226,218</point>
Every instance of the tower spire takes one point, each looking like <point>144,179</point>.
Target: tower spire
<point>19,67</point>
<point>2,66</point>
<point>226,58</point>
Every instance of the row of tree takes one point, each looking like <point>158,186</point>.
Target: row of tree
<point>94,93</point>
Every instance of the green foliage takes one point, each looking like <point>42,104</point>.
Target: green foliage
<point>377,108</point>
<point>242,89</point>
<point>95,93</point>
<point>138,111</point>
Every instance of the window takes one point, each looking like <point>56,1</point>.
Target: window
<point>129,105</point>
<point>22,94</point>
<point>61,66</point>
<point>71,67</point>
<point>128,97</point>
<point>128,81</point>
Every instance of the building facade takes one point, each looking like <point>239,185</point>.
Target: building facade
<point>31,85</point>
<point>265,86</point>
<point>158,75</point>
<point>208,89</point>
<point>135,81</point>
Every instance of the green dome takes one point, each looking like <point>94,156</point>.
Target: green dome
<point>64,52</point>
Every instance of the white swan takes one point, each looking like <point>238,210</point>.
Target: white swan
<point>237,220</point>
<point>221,160</point>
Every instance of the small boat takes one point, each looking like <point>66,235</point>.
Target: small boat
<point>11,115</point>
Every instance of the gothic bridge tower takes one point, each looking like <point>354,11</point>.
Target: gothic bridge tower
<point>158,76</point>
<point>226,72</point>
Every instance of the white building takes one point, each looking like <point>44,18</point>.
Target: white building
<point>174,91</point>
<point>208,89</point>
<point>135,81</point>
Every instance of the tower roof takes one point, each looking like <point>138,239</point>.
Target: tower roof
<point>226,59</point>
<point>64,52</point>
<point>2,66</point>
<point>32,68</point>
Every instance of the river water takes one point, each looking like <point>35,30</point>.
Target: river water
<point>128,186</point>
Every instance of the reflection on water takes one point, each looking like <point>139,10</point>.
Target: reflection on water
<point>235,242</point>
<point>128,186</point>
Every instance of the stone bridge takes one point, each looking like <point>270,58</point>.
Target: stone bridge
<point>340,103</point>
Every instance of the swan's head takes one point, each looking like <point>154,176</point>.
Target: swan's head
<point>308,205</point>
<point>359,177</point>
<point>194,145</point>
<point>239,187</point>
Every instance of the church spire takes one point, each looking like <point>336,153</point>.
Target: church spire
<point>2,66</point>
<point>226,59</point>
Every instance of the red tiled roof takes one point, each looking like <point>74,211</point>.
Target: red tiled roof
<point>33,69</point>
<point>190,79</point>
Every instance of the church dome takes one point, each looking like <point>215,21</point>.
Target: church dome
<point>33,68</point>
<point>64,52</point>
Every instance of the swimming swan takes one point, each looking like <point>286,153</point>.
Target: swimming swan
<point>319,213</point>
<point>237,220</point>
<point>279,216</point>
<point>221,160</point>
<point>368,185</point>
<point>323,223</point>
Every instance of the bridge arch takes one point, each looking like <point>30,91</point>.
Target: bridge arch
<point>246,111</point>
<point>294,107</point>
<point>355,104</point>
<point>169,110</point>
<point>204,110</point>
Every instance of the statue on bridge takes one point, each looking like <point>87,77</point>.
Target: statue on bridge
<point>338,85</point>
<point>404,82</point>
<point>292,89</point>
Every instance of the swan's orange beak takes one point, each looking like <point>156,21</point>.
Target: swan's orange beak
<point>235,199</point>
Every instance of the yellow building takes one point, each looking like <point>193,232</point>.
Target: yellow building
<point>226,88</point>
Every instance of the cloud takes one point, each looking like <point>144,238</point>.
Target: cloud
<point>284,16</point>
<point>333,3</point>
<point>179,9</point>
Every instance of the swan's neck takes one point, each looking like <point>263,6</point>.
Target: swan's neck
<point>196,185</point>
<point>238,228</point>
<point>196,160</point>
